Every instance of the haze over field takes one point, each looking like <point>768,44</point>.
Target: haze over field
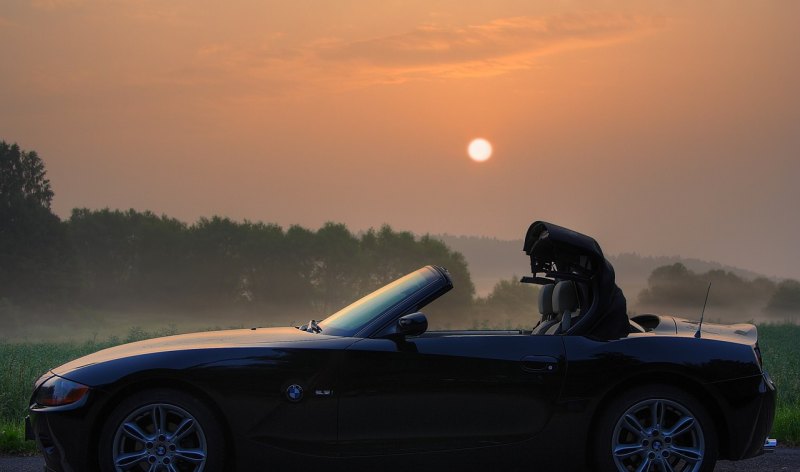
<point>659,127</point>
<point>492,259</point>
<point>663,284</point>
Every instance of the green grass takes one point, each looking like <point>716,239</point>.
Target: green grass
<point>780,347</point>
<point>22,363</point>
<point>12,439</point>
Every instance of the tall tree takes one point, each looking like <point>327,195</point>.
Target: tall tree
<point>22,178</point>
<point>33,248</point>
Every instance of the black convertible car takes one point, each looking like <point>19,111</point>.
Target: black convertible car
<point>371,387</point>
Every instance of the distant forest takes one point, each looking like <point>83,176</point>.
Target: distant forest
<point>676,287</point>
<point>111,260</point>
<point>652,284</point>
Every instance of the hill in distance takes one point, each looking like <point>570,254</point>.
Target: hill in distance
<point>491,260</point>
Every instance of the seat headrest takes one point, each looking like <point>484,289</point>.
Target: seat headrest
<point>546,300</point>
<point>565,297</point>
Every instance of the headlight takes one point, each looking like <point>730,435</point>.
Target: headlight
<point>57,391</point>
<point>41,379</point>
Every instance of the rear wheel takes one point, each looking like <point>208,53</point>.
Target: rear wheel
<point>161,430</point>
<point>655,428</point>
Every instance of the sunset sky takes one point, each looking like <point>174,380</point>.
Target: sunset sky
<point>663,127</point>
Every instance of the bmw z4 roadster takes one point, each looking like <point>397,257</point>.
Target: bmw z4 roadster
<point>370,387</point>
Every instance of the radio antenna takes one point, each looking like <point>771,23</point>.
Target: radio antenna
<point>703,313</point>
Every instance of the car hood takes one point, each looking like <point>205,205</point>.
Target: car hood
<point>259,337</point>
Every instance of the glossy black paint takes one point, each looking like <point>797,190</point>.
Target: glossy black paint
<point>470,399</point>
<point>500,396</point>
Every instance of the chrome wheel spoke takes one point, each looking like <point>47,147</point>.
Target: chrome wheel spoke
<point>657,411</point>
<point>159,419</point>
<point>153,468</point>
<point>133,431</point>
<point>666,466</point>
<point>633,425</point>
<point>191,455</point>
<point>186,427</point>
<point>171,468</point>
<point>644,466</point>
<point>627,450</point>
<point>684,424</point>
<point>127,460</point>
<point>687,453</point>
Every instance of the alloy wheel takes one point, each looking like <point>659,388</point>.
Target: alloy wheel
<point>658,435</point>
<point>159,438</point>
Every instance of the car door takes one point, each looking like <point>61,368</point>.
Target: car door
<point>442,391</point>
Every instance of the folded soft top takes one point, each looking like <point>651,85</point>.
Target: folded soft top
<point>559,253</point>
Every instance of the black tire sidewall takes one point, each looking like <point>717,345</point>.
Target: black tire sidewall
<point>602,460</point>
<point>215,440</point>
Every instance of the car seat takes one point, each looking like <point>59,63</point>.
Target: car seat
<point>566,305</point>
<point>546,309</point>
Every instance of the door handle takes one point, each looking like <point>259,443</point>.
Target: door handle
<point>542,364</point>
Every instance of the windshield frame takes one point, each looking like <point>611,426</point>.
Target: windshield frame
<point>437,283</point>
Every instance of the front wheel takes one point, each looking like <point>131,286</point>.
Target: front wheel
<point>161,430</point>
<point>655,428</point>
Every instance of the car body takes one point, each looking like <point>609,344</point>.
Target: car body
<point>371,387</point>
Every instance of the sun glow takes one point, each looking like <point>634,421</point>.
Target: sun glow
<point>479,150</point>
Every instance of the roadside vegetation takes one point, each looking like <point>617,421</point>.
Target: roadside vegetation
<point>781,353</point>
<point>23,363</point>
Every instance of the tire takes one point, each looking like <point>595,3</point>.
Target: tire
<point>190,438</point>
<point>625,438</point>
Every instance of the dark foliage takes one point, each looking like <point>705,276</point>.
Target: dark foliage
<point>135,259</point>
<point>786,298</point>
<point>675,286</point>
<point>34,254</point>
<point>511,304</point>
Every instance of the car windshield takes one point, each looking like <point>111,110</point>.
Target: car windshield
<point>350,320</point>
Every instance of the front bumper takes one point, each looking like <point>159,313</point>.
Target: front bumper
<point>65,435</point>
<point>63,439</point>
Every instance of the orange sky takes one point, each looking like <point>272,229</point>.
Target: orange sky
<point>663,127</point>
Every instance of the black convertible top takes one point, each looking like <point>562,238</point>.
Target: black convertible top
<point>559,253</point>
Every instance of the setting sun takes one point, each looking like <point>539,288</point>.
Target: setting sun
<point>479,150</point>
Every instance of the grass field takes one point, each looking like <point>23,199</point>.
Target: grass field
<point>22,363</point>
<point>780,347</point>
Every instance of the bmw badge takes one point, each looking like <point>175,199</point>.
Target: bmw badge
<point>294,393</point>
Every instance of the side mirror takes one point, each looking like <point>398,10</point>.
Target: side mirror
<point>412,325</point>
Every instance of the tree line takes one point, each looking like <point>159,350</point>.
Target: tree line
<point>675,286</point>
<point>112,259</point>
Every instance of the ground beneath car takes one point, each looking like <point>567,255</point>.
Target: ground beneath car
<point>784,459</point>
